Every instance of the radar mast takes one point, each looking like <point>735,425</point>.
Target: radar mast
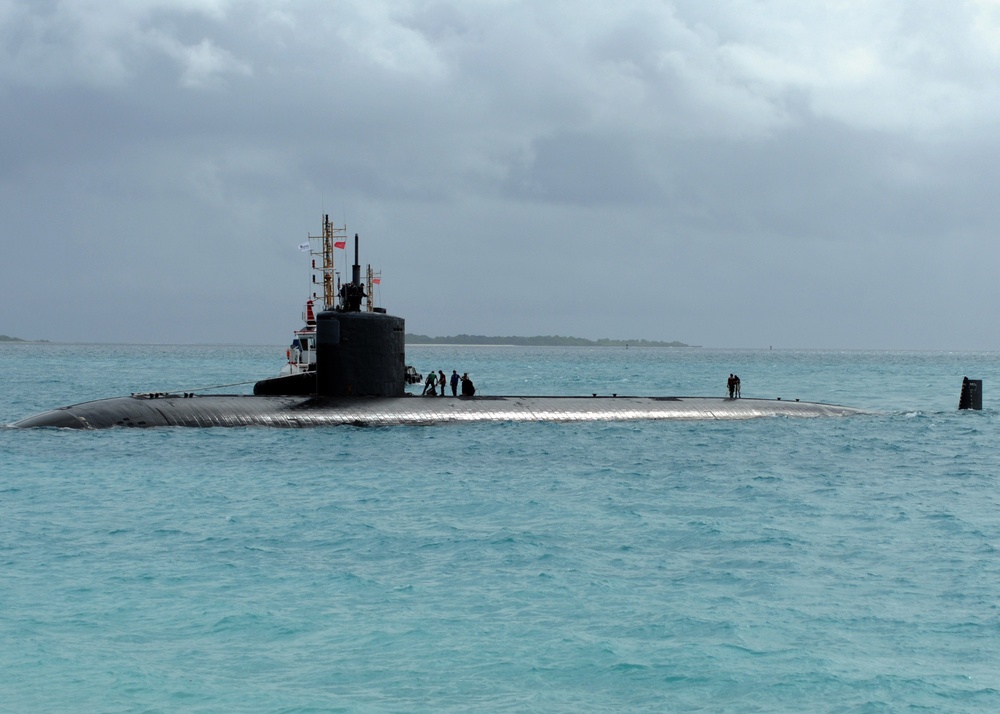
<point>332,238</point>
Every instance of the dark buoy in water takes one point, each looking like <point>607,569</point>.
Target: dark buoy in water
<point>972,394</point>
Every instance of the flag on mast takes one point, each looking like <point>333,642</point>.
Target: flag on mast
<point>304,247</point>
<point>342,244</point>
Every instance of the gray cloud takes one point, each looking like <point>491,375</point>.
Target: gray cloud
<point>738,173</point>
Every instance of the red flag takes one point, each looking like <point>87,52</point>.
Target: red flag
<point>376,281</point>
<point>342,244</point>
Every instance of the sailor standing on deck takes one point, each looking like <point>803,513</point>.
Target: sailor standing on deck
<point>454,383</point>
<point>442,380</point>
<point>429,384</point>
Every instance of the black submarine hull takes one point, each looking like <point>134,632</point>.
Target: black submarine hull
<point>360,379</point>
<point>145,411</point>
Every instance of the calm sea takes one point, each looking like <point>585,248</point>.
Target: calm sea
<point>773,565</point>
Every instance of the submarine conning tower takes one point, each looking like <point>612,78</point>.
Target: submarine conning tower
<point>359,354</point>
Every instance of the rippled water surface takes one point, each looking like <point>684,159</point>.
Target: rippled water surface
<point>771,565</point>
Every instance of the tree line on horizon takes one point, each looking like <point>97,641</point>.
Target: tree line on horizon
<point>538,341</point>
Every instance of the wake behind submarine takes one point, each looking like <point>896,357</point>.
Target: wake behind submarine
<point>347,366</point>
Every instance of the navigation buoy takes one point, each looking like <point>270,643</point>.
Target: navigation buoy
<point>972,394</point>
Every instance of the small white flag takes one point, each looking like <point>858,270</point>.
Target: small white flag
<point>304,247</point>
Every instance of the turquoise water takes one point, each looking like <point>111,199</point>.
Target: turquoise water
<point>773,565</point>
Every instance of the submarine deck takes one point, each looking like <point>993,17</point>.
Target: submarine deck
<point>298,412</point>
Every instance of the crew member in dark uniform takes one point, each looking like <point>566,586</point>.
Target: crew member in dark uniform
<point>351,296</point>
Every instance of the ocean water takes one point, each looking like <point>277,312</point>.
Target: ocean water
<point>771,565</point>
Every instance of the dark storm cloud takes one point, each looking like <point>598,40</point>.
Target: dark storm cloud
<point>822,166</point>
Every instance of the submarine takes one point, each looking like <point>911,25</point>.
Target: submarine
<point>347,366</point>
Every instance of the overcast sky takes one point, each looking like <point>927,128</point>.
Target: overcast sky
<point>737,173</point>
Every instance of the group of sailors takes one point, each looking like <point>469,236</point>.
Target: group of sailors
<point>439,380</point>
<point>351,296</point>
<point>734,386</point>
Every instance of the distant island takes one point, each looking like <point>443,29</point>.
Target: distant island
<point>8,338</point>
<point>540,341</point>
